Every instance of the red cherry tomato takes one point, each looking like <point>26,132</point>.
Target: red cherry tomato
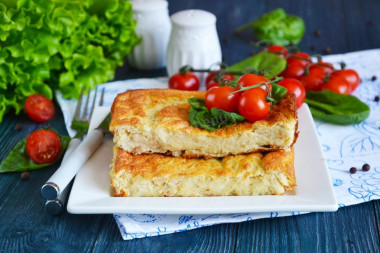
<point>296,87</point>
<point>39,108</point>
<point>350,75</point>
<point>222,98</point>
<point>43,146</point>
<point>187,81</point>
<point>300,57</point>
<point>313,81</point>
<point>324,67</point>
<point>252,105</point>
<point>337,84</point>
<point>294,70</point>
<point>252,79</point>
<point>211,77</point>
<point>277,49</point>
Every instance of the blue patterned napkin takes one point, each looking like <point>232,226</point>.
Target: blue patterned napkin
<point>343,146</point>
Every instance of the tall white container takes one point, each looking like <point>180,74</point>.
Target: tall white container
<point>193,41</point>
<point>153,26</point>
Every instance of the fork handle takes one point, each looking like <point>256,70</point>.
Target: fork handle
<point>67,171</point>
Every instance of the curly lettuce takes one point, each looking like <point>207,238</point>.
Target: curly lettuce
<point>64,45</point>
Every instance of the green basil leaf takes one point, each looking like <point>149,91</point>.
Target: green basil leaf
<point>337,108</point>
<point>201,117</point>
<point>197,103</point>
<point>18,159</point>
<point>278,92</point>
<point>279,28</point>
<point>260,61</point>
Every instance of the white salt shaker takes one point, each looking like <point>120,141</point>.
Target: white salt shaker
<point>153,26</point>
<point>193,41</point>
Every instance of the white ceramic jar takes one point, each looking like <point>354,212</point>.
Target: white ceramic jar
<point>153,26</point>
<point>193,41</point>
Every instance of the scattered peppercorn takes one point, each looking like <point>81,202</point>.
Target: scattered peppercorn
<point>317,32</point>
<point>252,53</point>
<point>25,175</point>
<point>353,170</point>
<point>366,167</point>
<point>312,47</point>
<point>18,127</point>
<point>377,99</point>
<point>327,50</point>
<point>226,40</point>
<point>370,22</point>
<point>374,78</point>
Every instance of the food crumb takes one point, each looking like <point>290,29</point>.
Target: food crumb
<point>377,99</point>
<point>327,50</point>
<point>374,78</point>
<point>18,127</point>
<point>353,170</point>
<point>226,40</point>
<point>317,32</point>
<point>252,53</point>
<point>25,175</point>
<point>312,47</point>
<point>370,22</point>
<point>366,167</point>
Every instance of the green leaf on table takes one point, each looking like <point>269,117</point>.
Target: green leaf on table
<point>265,60</point>
<point>337,108</point>
<point>201,117</point>
<point>18,159</point>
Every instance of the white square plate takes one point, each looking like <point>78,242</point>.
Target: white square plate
<point>91,191</point>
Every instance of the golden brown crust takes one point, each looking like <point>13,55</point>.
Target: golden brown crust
<point>169,108</point>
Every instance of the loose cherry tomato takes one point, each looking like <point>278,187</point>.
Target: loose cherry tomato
<point>187,81</point>
<point>278,49</point>
<point>350,75</point>
<point>39,108</point>
<point>222,98</point>
<point>296,87</point>
<point>43,146</point>
<point>252,104</point>
<point>211,77</point>
<point>252,79</point>
<point>300,57</point>
<point>313,81</point>
<point>337,84</point>
<point>324,67</point>
<point>294,70</point>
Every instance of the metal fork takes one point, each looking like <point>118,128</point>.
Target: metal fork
<point>55,190</point>
<point>81,121</point>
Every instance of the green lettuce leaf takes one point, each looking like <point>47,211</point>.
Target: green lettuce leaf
<point>60,45</point>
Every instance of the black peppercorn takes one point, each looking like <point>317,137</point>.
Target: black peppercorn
<point>353,170</point>
<point>312,47</point>
<point>327,50</point>
<point>366,167</point>
<point>373,78</point>
<point>18,127</point>
<point>317,32</point>
<point>25,175</point>
<point>377,99</point>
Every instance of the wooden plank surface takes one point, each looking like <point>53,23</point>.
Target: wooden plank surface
<point>24,227</point>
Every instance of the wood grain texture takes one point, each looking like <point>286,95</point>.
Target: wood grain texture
<point>25,227</point>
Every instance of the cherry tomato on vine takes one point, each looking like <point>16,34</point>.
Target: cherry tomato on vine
<point>278,49</point>
<point>222,98</point>
<point>253,79</point>
<point>187,81</point>
<point>43,146</point>
<point>301,57</point>
<point>350,75</point>
<point>337,84</point>
<point>252,104</point>
<point>210,77</point>
<point>294,86</point>
<point>324,67</point>
<point>294,70</point>
<point>313,81</point>
<point>39,108</point>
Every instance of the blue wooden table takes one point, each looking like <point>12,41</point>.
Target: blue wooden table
<point>345,26</point>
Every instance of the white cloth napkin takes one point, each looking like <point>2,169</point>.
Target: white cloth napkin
<point>343,146</point>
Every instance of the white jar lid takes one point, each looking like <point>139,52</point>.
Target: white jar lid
<point>148,5</point>
<point>193,18</point>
